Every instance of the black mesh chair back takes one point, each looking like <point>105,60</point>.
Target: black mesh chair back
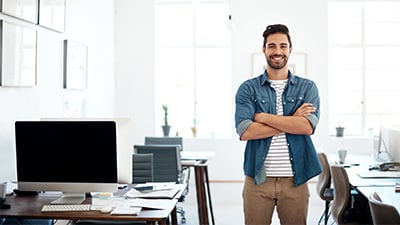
<point>166,161</point>
<point>164,141</point>
<point>142,168</point>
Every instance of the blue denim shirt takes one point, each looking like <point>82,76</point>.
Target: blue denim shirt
<point>256,95</point>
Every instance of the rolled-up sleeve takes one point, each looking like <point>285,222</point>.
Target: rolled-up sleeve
<point>313,97</point>
<point>244,108</point>
<point>241,128</point>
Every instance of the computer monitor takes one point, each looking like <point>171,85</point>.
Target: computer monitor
<point>388,144</point>
<point>73,157</point>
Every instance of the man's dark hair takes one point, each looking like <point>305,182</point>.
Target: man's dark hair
<point>276,28</point>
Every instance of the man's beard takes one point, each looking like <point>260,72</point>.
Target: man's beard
<point>277,66</point>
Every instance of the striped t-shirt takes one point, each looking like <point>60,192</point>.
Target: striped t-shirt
<point>277,162</point>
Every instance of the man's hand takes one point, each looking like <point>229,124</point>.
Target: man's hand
<point>295,124</point>
<point>305,110</point>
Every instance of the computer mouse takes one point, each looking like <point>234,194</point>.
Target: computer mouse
<point>106,209</point>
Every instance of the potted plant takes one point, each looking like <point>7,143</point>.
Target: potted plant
<point>340,129</point>
<point>166,127</point>
<point>194,128</point>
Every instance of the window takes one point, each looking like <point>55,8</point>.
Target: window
<point>192,67</point>
<point>364,43</point>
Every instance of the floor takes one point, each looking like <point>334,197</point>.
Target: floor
<point>227,205</point>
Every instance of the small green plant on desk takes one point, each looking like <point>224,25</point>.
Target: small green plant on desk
<point>166,127</point>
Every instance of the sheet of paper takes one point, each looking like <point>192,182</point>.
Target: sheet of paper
<point>126,210</point>
<point>157,186</point>
<point>152,203</point>
<point>167,193</point>
<point>99,203</point>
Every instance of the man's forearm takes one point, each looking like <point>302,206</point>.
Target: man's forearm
<point>287,124</point>
<point>258,130</point>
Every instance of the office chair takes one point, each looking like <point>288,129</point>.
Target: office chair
<point>164,141</point>
<point>167,165</point>
<point>185,170</point>
<point>142,168</point>
<point>382,213</point>
<point>348,206</point>
<point>341,194</point>
<point>324,187</point>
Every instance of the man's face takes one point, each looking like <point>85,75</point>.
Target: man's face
<point>277,51</point>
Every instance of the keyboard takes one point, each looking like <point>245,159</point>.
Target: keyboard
<point>65,208</point>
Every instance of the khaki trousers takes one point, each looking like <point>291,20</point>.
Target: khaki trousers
<point>259,201</point>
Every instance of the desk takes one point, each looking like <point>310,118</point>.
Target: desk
<point>387,194</point>
<point>30,206</point>
<point>199,160</point>
<point>383,186</point>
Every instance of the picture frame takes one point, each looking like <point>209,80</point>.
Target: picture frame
<point>297,64</point>
<point>26,10</point>
<point>75,65</point>
<point>18,57</point>
<point>52,14</point>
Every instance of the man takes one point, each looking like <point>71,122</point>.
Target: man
<point>276,113</point>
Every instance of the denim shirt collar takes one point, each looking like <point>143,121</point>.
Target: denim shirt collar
<point>265,79</point>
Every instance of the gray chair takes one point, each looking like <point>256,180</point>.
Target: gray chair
<point>167,165</point>
<point>142,168</point>
<point>324,189</point>
<point>382,213</point>
<point>164,141</point>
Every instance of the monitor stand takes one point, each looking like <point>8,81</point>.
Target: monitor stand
<point>70,198</point>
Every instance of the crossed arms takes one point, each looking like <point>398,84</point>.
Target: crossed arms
<point>266,125</point>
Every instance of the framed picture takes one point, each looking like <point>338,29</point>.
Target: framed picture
<point>18,55</point>
<point>297,64</point>
<point>52,14</point>
<point>75,65</point>
<point>23,9</point>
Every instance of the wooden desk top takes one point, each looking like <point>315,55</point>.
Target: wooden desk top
<point>30,206</point>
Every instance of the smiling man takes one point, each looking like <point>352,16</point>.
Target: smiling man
<point>276,113</point>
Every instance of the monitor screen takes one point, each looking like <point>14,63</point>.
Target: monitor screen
<point>66,156</point>
<point>388,144</point>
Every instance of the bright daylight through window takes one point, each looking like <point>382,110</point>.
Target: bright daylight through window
<point>364,41</point>
<point>192,58</point>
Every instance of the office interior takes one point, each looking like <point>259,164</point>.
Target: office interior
<point>120,83</point>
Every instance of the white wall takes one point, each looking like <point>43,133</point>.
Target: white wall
<point>93,26</point>
<point>123,46</point>
<point>135,72</point>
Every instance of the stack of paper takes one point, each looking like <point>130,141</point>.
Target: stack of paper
<point>168,193</point>
<point>126,210</point>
